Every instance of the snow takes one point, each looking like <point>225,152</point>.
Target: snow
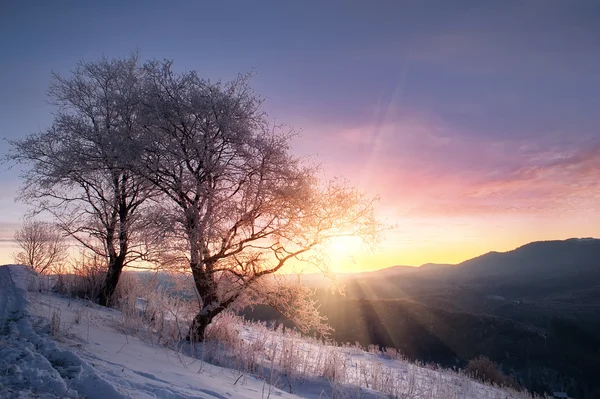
<point>56,347</point>
<point>378,374</point>
<point>88,357</point>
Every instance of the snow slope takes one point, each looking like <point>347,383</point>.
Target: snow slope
<point>56,347</point>
<point>52,347</point>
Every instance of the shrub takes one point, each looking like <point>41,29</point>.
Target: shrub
<point>483,369</point>
<point>83,279</point>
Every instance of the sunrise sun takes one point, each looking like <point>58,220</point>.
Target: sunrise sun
<point>344,248</point>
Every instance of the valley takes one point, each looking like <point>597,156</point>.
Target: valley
<point>535,311</point>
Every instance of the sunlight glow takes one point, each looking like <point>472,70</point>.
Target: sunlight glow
<point>343,250</point>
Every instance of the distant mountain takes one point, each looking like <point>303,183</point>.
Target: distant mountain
<point>389,271</point>
<point>543,277</point>
<point>435,266</point>
<point>538,259</point>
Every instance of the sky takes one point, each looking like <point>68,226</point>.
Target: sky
<point>476,122</point>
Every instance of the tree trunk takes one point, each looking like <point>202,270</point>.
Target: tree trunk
<point>211,305</point>
<point>116,262</point>
<point>111,281</point>
<point>199,325</point>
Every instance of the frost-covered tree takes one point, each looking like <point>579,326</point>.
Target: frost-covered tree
<point>238,206</point>
<point>228,198</point>
<point>41,246</point>
<point>78,168</point>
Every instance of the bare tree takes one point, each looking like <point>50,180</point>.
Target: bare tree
<point>237,206</point>
<point>78,167</point>
<point>230,200</point>
<point>42,246</point>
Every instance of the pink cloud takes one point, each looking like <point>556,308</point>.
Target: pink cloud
<point>421,168</point>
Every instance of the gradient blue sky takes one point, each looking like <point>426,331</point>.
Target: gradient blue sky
<point>476,121</point>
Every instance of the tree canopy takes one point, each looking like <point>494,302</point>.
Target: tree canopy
<point>140,155</point>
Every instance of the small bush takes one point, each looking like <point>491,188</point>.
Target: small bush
<point>483,369</point>
<point>83,279</point>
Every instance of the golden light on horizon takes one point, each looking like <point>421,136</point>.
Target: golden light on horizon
<point>342,252</point>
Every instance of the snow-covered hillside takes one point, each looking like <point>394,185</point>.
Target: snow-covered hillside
<point>91,359</point>
<point>55,347</point>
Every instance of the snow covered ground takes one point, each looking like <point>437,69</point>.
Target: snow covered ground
<point>55,347</point>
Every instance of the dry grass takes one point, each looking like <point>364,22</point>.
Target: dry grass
<point>81,279</point>
<point>286,358</point>
<point>151,312</point>
<point>483,369</point>
<point>280,356</point>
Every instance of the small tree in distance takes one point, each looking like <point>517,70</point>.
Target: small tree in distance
<point>42,246</point>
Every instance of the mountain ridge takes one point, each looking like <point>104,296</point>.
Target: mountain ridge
<point>551,245</point>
